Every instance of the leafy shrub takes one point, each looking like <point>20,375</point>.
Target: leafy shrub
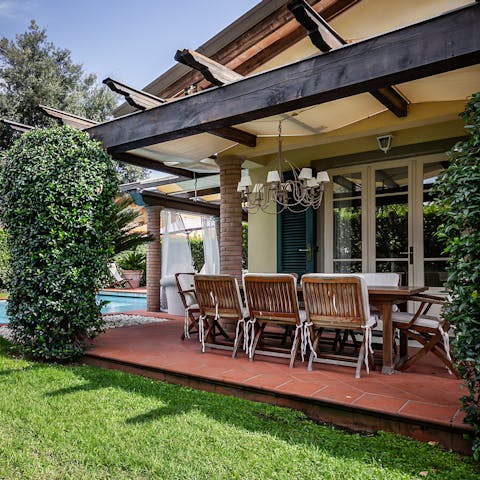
<point>198,255</point>
<point>5,270</point>
<point>58,188</point>
<point>458,190</point>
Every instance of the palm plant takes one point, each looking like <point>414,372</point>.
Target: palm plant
<point>126,220</point>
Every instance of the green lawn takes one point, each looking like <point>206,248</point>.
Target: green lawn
<point>79,422</point>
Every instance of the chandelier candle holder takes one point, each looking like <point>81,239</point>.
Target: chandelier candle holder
<point>303,191</point>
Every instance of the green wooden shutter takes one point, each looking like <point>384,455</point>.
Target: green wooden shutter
<point>295,233</point>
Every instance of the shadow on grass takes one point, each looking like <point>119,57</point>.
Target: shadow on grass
<point>391,451</point>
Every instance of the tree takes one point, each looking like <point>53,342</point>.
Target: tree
<point>57,191</point>
<point>34,71</point>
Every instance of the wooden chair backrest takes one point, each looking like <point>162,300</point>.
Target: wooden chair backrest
<point>272,297</point>
<point>336,301</point>
<point>186,288</point>
<point>382,279</point>
<point>218,292</point>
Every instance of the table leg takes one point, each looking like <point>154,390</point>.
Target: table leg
<point>385,308</point>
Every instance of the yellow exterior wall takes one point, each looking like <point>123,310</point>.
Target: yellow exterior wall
<point>262,242</point>
<point>262,234</point>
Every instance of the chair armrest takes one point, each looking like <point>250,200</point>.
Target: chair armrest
<point>434,299</point>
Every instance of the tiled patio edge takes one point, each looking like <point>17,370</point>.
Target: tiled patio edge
<point>358,419</point>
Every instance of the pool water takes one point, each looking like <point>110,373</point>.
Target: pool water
<point>117,302</point>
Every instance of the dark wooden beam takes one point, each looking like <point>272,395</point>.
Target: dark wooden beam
<point>144,101</point>
<point>437,45</point>
<point>264,41</point>
<point>321,34</point>
<point>325,38</point>
<point>213,71</point>
<point>17,127</point>
<point>236,135</point>
<point>65,118</point>
<point>136,98</point>
<point>198,193</point>
<point>182,204</point>
<point>133,159</point>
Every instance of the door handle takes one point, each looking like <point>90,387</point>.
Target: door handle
<point>410,255</point>
<point>308,251</point>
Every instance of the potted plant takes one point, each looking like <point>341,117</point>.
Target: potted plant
<point>133,264</point>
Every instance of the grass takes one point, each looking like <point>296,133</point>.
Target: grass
<point>81,422</point>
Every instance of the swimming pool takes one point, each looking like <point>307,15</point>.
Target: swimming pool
<point>117,302</point>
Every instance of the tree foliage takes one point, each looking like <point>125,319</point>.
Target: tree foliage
<point>57,191</point>
<point>458,191</point>
<point>127,222</point>
<point>34,71</point>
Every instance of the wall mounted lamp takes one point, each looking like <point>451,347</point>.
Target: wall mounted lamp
<point>385,142</point>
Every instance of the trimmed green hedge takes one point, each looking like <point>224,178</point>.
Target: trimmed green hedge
<point>458,191</point>
<point>57,192</point>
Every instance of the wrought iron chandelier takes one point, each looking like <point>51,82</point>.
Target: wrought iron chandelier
<point>303,191</point>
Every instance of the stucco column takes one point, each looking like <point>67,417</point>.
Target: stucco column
<point>230,216</point>
<point>154,259</point>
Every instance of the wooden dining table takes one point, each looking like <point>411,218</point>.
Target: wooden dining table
<point>383,298</point>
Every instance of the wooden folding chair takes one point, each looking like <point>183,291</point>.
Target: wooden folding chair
<point>219,301</point>
<point>186,291</point>
<point>118,280</point>
<point>340,302</point>
<point>271,299</point>
<point>429,331</point>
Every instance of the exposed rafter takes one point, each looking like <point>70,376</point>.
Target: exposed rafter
<point>197,193</point>
<point>325,38</point>
<point>81,123</point>
<point>213,71</point>
<point>133,159</point>
<point>67,118</point>
<point>136,98</point>
<point>144,101</point>
<point>321,34</point>
<point>17,127</point>
<point>394,57</point>
<point>182,204</point>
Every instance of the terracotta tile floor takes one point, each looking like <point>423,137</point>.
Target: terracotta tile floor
<point>425,392</point>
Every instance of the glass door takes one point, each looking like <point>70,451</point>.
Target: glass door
<point>380,218</point>
<point>347,222</point>
<point>394,248</point>
<point>434,274</point>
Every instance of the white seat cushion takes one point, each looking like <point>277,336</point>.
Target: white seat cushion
<point>422,321</point>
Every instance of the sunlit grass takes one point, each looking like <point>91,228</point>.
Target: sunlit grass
<point>80,422</point>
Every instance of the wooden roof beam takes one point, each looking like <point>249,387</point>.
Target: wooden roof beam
<point>325,38</point>
<point>219,75</point>
<point>390,58</point>
<point>144,101</point>
<point>213,71</point>
<point>17,127</point>
<point>65,118</point>
<point>139,161</point>
<point>136,98</point>
<point>197,193</point>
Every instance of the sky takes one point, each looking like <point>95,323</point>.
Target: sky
<point>132,41</point>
